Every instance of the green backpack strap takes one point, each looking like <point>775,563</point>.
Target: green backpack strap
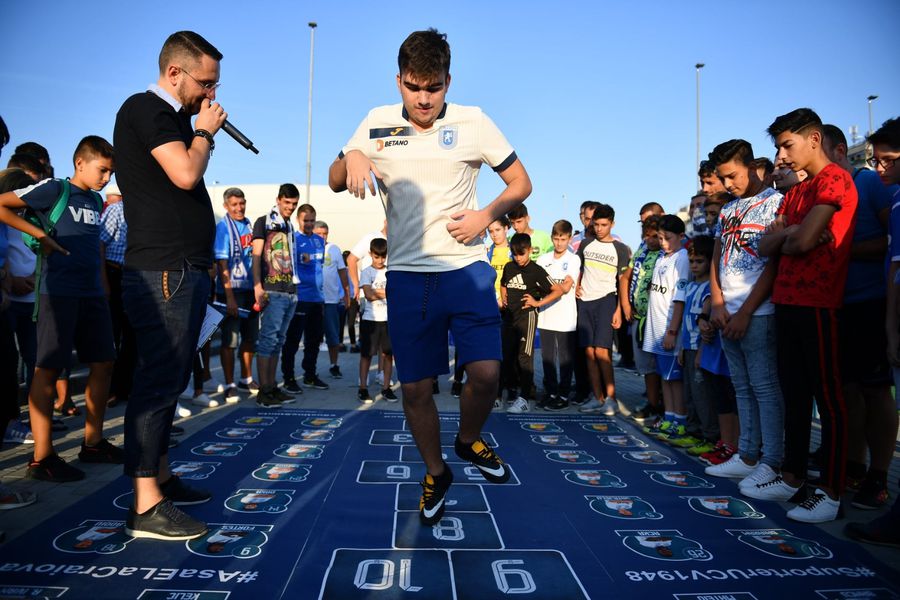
<point>61,204</point>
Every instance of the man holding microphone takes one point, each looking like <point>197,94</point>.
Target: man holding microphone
<point>161,159</point>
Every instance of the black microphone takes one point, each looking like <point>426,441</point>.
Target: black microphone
<point>239,137</point>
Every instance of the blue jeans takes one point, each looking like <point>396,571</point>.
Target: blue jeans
<point>273,323</point>
<point>165,309</point>
<point>754,373</point>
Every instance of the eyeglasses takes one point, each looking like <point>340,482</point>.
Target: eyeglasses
<point>886,163</point>
<point>209,86</point>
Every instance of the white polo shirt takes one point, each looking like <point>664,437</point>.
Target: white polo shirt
<point>428,176</point>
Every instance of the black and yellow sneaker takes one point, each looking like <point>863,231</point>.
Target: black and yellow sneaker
<point>434,491</point>
<point>483,456</point>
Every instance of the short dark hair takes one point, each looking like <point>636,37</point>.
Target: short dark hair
<point>188,44</point>
<point>651,206</point>
<point>425,54</point>
<point>34,149</point>
<point>702,245</point>
<point>91,147</point>
<point>720,198</point>
<point>765,163</point>
<point>26,162</point>
<point>672,224</point>
<point>4,133</point>
<point>651,223</point>
<point>305,208</point>
<point>288,190</point>
<point>834,135</point>
<point>503,220</point>
<point>739,150</point>
<point>520,243</point>
<point>14,179</point>
<point>232,192</point>
<point>887,135</point>
<point>587,203</point>
<point>706,169</point>
<point>799,121</point>
<point>561,227</point>
<point>604,211</point>
<point>517,212</point>
<point>378,246</point>
<point>320,225</point>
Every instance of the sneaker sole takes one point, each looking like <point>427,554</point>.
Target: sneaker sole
<point>149,535</point>
<point>190,502</point>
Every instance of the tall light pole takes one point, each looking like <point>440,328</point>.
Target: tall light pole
<point>698,66</point>
<point>312,46</point>
<point>870,98</point>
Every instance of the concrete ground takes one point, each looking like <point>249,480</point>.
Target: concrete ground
<point>53,498</point>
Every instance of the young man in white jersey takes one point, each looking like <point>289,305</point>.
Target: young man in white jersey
<point>421,151</point>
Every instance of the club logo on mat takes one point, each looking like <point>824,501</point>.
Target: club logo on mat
<point>239,433</point>
<point>664,544</point>
<point>622,441</point>
<point>94,537</point>
<point>218,449</point>
<point>254,420</point>
<point>292,472</point>
<point>553,440</point>
<point>322,423</point>
<point>647,457</point>
<point>593,478</point>
<point>724,507</point>
<point>623,507</point>
<point>259,501</point>
<point>575,457</point>
<point>312,435</point>
<point>602,427</point>
<point>781,543</point>
<point>679,479</point>
<point>231,541</point>
<point>192,469</point>
<point>308,451</point>
<point>541,427</point>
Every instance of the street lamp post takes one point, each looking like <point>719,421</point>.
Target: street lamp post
<point>870,98</point>
<point>312,45</point>
<point>698,66</point>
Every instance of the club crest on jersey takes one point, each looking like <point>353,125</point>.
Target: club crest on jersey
<point>230,541</point>
<point>542,427</point>
<point>577,457</point>
<point>448,136</point>
<point>553,440</point>
<point>679,479</point>
<point>622,441</point>
<point>292,472</point>
<point>312,435</point>
<point>623,507</point>
<point>667,545</point>
<point>298,451</point>
<point>723,507</point>
<point>218,449</point>
<point>93,537</point>
<point>781,543</point>
<point>647,457</point>
<point>259,501</point>
<point>593,478</point>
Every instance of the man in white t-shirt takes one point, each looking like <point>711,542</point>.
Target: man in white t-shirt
<point>336,291</point>
<point>426,155</point>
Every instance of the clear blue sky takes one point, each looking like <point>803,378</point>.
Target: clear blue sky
<point>598,98</point>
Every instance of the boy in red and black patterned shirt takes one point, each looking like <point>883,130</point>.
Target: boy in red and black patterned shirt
<point>812,235</point>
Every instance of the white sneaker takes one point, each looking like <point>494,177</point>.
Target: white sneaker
<point>818,508</point>
<point>761,474</point>
<point>774,489</point>
<point>231,394</point>
<point>519,406</point>
<point>733,467</point>
<point>204,401</point>
<point>591,406</point>
<point>182,411</point>
<point>188,392</point>
<point>610,407</point>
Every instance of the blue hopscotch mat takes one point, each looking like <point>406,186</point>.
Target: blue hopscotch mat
<point>323,505</point>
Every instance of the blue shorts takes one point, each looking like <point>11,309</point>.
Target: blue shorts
<point>424,307</point>
<point>668,368</point>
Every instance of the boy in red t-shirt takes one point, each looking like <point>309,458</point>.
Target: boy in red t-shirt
<point>812,235</point>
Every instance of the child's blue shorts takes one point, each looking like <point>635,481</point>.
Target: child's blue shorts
<point>668,368</point>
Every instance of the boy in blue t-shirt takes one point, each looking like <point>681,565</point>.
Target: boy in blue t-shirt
<point>73,311</point>
<point>234,285</point>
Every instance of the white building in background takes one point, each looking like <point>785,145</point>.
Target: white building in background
<point>348,218</point>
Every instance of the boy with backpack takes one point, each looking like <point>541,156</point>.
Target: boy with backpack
<point>71,309</point>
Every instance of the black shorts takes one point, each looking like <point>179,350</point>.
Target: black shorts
<point>595,328</point>
<point>66,322</point>
<point>247,327</point>
<point>374,338</point>
<point>862,343</point>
